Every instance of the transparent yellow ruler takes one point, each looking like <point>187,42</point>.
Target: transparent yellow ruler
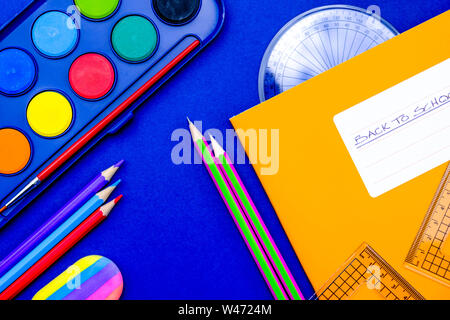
<point>430,252</point>
<point>367,276</point>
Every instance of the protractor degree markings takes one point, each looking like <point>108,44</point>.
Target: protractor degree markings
<point>312,64</point>
<point>314,72</point>
<point>314,40</point>
<point>351,46</point>
<point>366,37</point>
<point>325,49</point>
<point>360,44</point>
<point>354,23</point>
<point>369,46</point>
<point>313,32</point>
<point>356,51</point>
<point>289,78</point>
<point>337,45</point>
<point>295,70</point>
<point>294,78</point>
<point>311,40</point>
<point>371,42</point>
<point>315,53</point>
<point>345,42</point>
<point>334,34</point>
<point>331,46</point>
<point>324,68</point>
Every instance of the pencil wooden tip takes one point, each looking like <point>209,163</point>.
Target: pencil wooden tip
<point>106,209</point>
<point>111,171</point>
<point>189,120</point>
<point>218,150</point>
<point>105,193</point>
<point>3,209</point>
<point>196,134</point>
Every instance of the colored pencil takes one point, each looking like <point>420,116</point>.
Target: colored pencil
<point>57,251</point>
<point>257,223</point>
<point>51,224</point>
<point>95,130</point>
<point>238,216</point>
<point>63,230</point>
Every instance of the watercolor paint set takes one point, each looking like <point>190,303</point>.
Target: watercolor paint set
<point>65,65</point>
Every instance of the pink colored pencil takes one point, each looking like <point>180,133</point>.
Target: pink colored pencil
<point>270,248</point>
<point>238,216</point>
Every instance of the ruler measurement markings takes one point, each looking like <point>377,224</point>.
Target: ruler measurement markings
<point>427,255</point>
<point>358,271</point>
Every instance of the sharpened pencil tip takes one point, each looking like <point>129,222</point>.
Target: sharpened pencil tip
<point>106,208</point>
<point>118,164</point>
<point>118,198</point>
<point>3,209</point>
<point>218,150</point>
<point>189,120</point>
<point>115,184</point>
<point>105,193</point>
<point>195,133</point>
<point>111,171</point>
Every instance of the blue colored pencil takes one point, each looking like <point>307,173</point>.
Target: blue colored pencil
<point>56,236</point>
<point>51,224</point>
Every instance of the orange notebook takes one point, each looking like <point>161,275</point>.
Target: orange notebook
<point>319,194</point>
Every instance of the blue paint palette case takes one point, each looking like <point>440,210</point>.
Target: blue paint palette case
<point>65,65</point>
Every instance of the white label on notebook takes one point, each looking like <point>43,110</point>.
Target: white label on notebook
<point>402,132</point>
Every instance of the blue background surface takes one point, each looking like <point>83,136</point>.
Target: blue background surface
<point>171,235</point>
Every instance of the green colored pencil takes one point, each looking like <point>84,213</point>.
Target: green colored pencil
<point>252,214</point>
<point>238,215</point>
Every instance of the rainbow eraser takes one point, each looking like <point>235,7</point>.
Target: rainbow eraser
<point>90,278</point>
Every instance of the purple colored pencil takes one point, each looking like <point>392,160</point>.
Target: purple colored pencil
<point>51,224</point>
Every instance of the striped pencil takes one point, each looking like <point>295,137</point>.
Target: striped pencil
<point>51,224</point>
<point>57,251</point>
<point>252,214</point>
<point>56,236</point>
<point>238,216</point>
